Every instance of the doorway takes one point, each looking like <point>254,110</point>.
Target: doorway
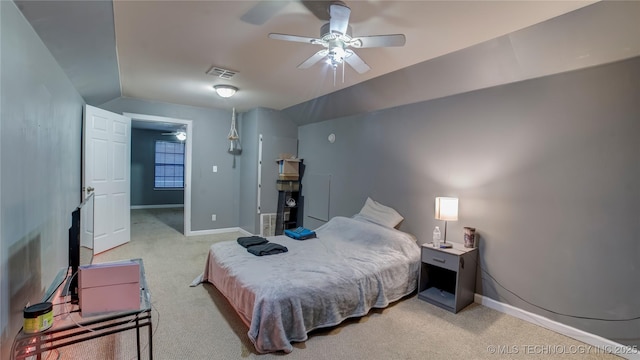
<point>168,125</point>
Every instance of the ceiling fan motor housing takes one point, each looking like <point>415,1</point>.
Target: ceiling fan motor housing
<point>326,30</point>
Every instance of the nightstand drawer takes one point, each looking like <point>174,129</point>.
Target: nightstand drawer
<point>440,259</point>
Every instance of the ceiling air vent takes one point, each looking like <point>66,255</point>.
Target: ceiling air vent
<point>222,73</point>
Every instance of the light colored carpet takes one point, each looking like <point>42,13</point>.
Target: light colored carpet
<point>198,323</point>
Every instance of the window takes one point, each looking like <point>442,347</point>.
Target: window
<point>169,173</point>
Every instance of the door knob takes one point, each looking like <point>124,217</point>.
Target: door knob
<point>90,189</point>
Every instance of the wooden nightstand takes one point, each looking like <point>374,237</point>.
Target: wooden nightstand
<point>448,276</point>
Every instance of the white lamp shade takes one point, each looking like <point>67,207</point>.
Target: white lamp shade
<point>447,208</point>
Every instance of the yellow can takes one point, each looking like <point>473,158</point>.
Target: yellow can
<point>38,317</point>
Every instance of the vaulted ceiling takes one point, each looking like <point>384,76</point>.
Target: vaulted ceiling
<point>162,50</point>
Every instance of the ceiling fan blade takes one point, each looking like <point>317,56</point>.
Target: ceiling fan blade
<point>339,18</point>
<point>356,62</point>
<point>318,8</point>
<point>260,13</point>
<point>378,41</point>
<point>313,59</point>
<point>296,38</point>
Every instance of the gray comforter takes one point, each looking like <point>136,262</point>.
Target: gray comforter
<point>352,266</point>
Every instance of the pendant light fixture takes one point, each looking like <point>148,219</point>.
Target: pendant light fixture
<point>234,139</point>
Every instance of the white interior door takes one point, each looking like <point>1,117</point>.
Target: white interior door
<point>106,172</point>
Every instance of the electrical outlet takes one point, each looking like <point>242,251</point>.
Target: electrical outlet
<point>213,217</point>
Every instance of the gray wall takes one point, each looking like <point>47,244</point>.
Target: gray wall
<point>40,124</point>
<point>546,170</point>
<point>249,173</point>
<point>91,24</point>
<point>211,193</point>
<point>279,135</point>
<point>143,145</point>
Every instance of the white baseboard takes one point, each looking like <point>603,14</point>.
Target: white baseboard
<point>166,206</point>
<point>603,344</point>
<point>218,231</point>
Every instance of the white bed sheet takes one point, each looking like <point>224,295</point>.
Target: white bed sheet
<point>352,266</point>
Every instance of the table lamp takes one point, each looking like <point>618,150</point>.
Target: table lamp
<point>447,210</point>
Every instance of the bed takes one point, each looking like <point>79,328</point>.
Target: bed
<point>352,266</point>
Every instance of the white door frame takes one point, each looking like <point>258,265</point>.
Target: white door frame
<point>187,160</point>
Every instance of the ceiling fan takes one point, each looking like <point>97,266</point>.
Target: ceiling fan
<point>179,134</point>
<point>335,37</point>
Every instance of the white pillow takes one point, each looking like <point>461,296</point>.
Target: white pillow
<point>380,214</point>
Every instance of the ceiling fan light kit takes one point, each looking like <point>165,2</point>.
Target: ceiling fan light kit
<point>225,91</point>
<point>181,135</point>
<point>336,37</point>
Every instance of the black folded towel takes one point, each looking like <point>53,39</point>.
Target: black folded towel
<point>251,241</point>
<point>267,249</point>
